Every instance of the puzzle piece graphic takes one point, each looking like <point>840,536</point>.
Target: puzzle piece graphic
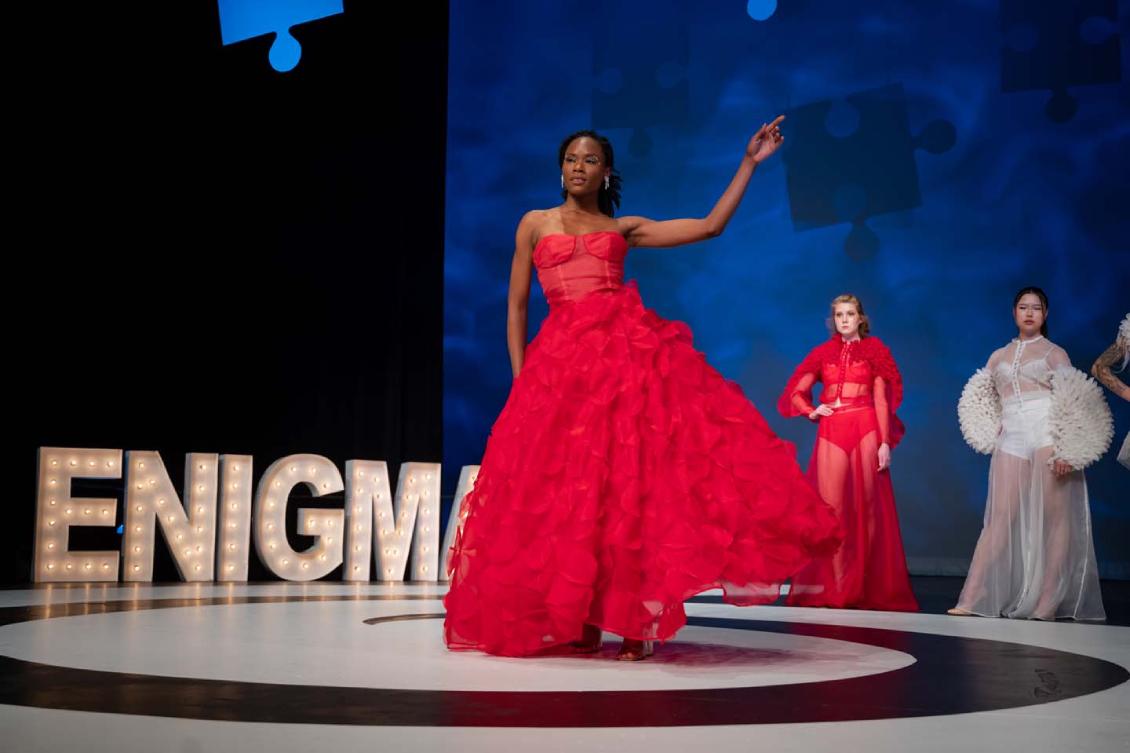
<point>1056,45</point>
<point>851,160</point>
<point>244,19</point>
<point>641,77</point>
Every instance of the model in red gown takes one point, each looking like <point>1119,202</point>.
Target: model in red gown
<point>624,474</point>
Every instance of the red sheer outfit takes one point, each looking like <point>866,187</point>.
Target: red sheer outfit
<point>863,386</point>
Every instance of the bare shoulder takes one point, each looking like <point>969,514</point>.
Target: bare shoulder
<point>532,227</point>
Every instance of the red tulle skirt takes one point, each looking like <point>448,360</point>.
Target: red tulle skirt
<point>869,570</point>
<point>623,476</point>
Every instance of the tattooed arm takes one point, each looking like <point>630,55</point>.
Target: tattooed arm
<point>1103,369</point>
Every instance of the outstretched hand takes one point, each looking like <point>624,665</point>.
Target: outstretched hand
<point>765,142</point>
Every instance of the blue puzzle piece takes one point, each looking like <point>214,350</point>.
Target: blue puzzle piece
<point>1055,45</point>
<point>244,19</point>
<point>851,160</point>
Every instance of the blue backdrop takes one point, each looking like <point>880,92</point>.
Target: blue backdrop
<point>938,157</point>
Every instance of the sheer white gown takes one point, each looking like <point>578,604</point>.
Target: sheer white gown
<point>1035,557</point>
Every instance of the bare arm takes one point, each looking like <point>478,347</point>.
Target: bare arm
<point>1103,369</point>
<point>518,299</point>
<point>640,231</point>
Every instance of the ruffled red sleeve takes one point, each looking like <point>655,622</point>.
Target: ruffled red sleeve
<point>883,366</point>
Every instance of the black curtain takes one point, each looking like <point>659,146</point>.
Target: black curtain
<point>217,257</point>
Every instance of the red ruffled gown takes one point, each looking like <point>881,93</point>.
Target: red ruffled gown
<point>623,476</point>
<point>869,570</point>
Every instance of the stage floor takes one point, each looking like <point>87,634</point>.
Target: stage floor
<point>336,667</point>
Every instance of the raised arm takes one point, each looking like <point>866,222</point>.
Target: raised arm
<point>643,232</point>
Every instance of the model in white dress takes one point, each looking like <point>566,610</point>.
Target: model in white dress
<point>1035,557</point>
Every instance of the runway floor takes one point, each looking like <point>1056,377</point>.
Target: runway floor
<point>338,667</point>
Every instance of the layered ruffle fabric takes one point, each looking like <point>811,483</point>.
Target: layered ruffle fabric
<point>623,476</point>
